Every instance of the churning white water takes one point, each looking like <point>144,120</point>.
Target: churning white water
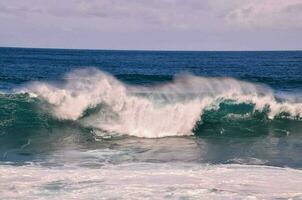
<point>169,109</point>
<point>150,181</point>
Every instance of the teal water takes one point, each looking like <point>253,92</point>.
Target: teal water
<point>90,109</point>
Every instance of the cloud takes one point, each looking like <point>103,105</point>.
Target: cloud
<point>181,14</point>
<point>275,14</point>
<point>169,13</point>
<point>147,24</point>
<point>17,10</point>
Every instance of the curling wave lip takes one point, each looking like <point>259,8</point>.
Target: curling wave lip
<point>170,109</point>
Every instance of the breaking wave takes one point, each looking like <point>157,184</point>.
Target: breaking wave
<point>98,100</point>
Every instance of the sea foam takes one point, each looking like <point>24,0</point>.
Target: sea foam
<point>169,109</point>
<point>150,181</point>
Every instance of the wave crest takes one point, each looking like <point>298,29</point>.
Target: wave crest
<point>170,109</point>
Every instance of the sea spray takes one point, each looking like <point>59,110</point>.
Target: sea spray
<point>170,109</point>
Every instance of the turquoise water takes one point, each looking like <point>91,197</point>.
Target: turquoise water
<point>189,114</point>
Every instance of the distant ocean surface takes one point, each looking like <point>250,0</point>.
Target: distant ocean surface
<point>100,124</point>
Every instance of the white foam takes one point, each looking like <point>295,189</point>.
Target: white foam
<point>150,181</point>
<point>156,111</point>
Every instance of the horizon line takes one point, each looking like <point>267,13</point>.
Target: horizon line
<point>163,50</point>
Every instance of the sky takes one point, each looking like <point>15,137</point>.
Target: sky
<point>152,24</point>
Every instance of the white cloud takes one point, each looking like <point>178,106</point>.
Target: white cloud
<point>182,14</point>
<point>176,24</point>
<point>171,13</point>
<point>275,14</point>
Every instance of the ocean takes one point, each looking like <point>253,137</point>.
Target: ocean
<point>108,124</point>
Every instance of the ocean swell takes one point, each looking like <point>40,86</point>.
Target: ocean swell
<point>97,99</point>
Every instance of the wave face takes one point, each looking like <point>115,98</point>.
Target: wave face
<point>98,100</point>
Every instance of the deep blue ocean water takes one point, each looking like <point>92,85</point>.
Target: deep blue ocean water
<point>122,107</point>
<point>279,69</point>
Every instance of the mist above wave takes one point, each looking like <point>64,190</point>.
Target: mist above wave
<point>99,100</point>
